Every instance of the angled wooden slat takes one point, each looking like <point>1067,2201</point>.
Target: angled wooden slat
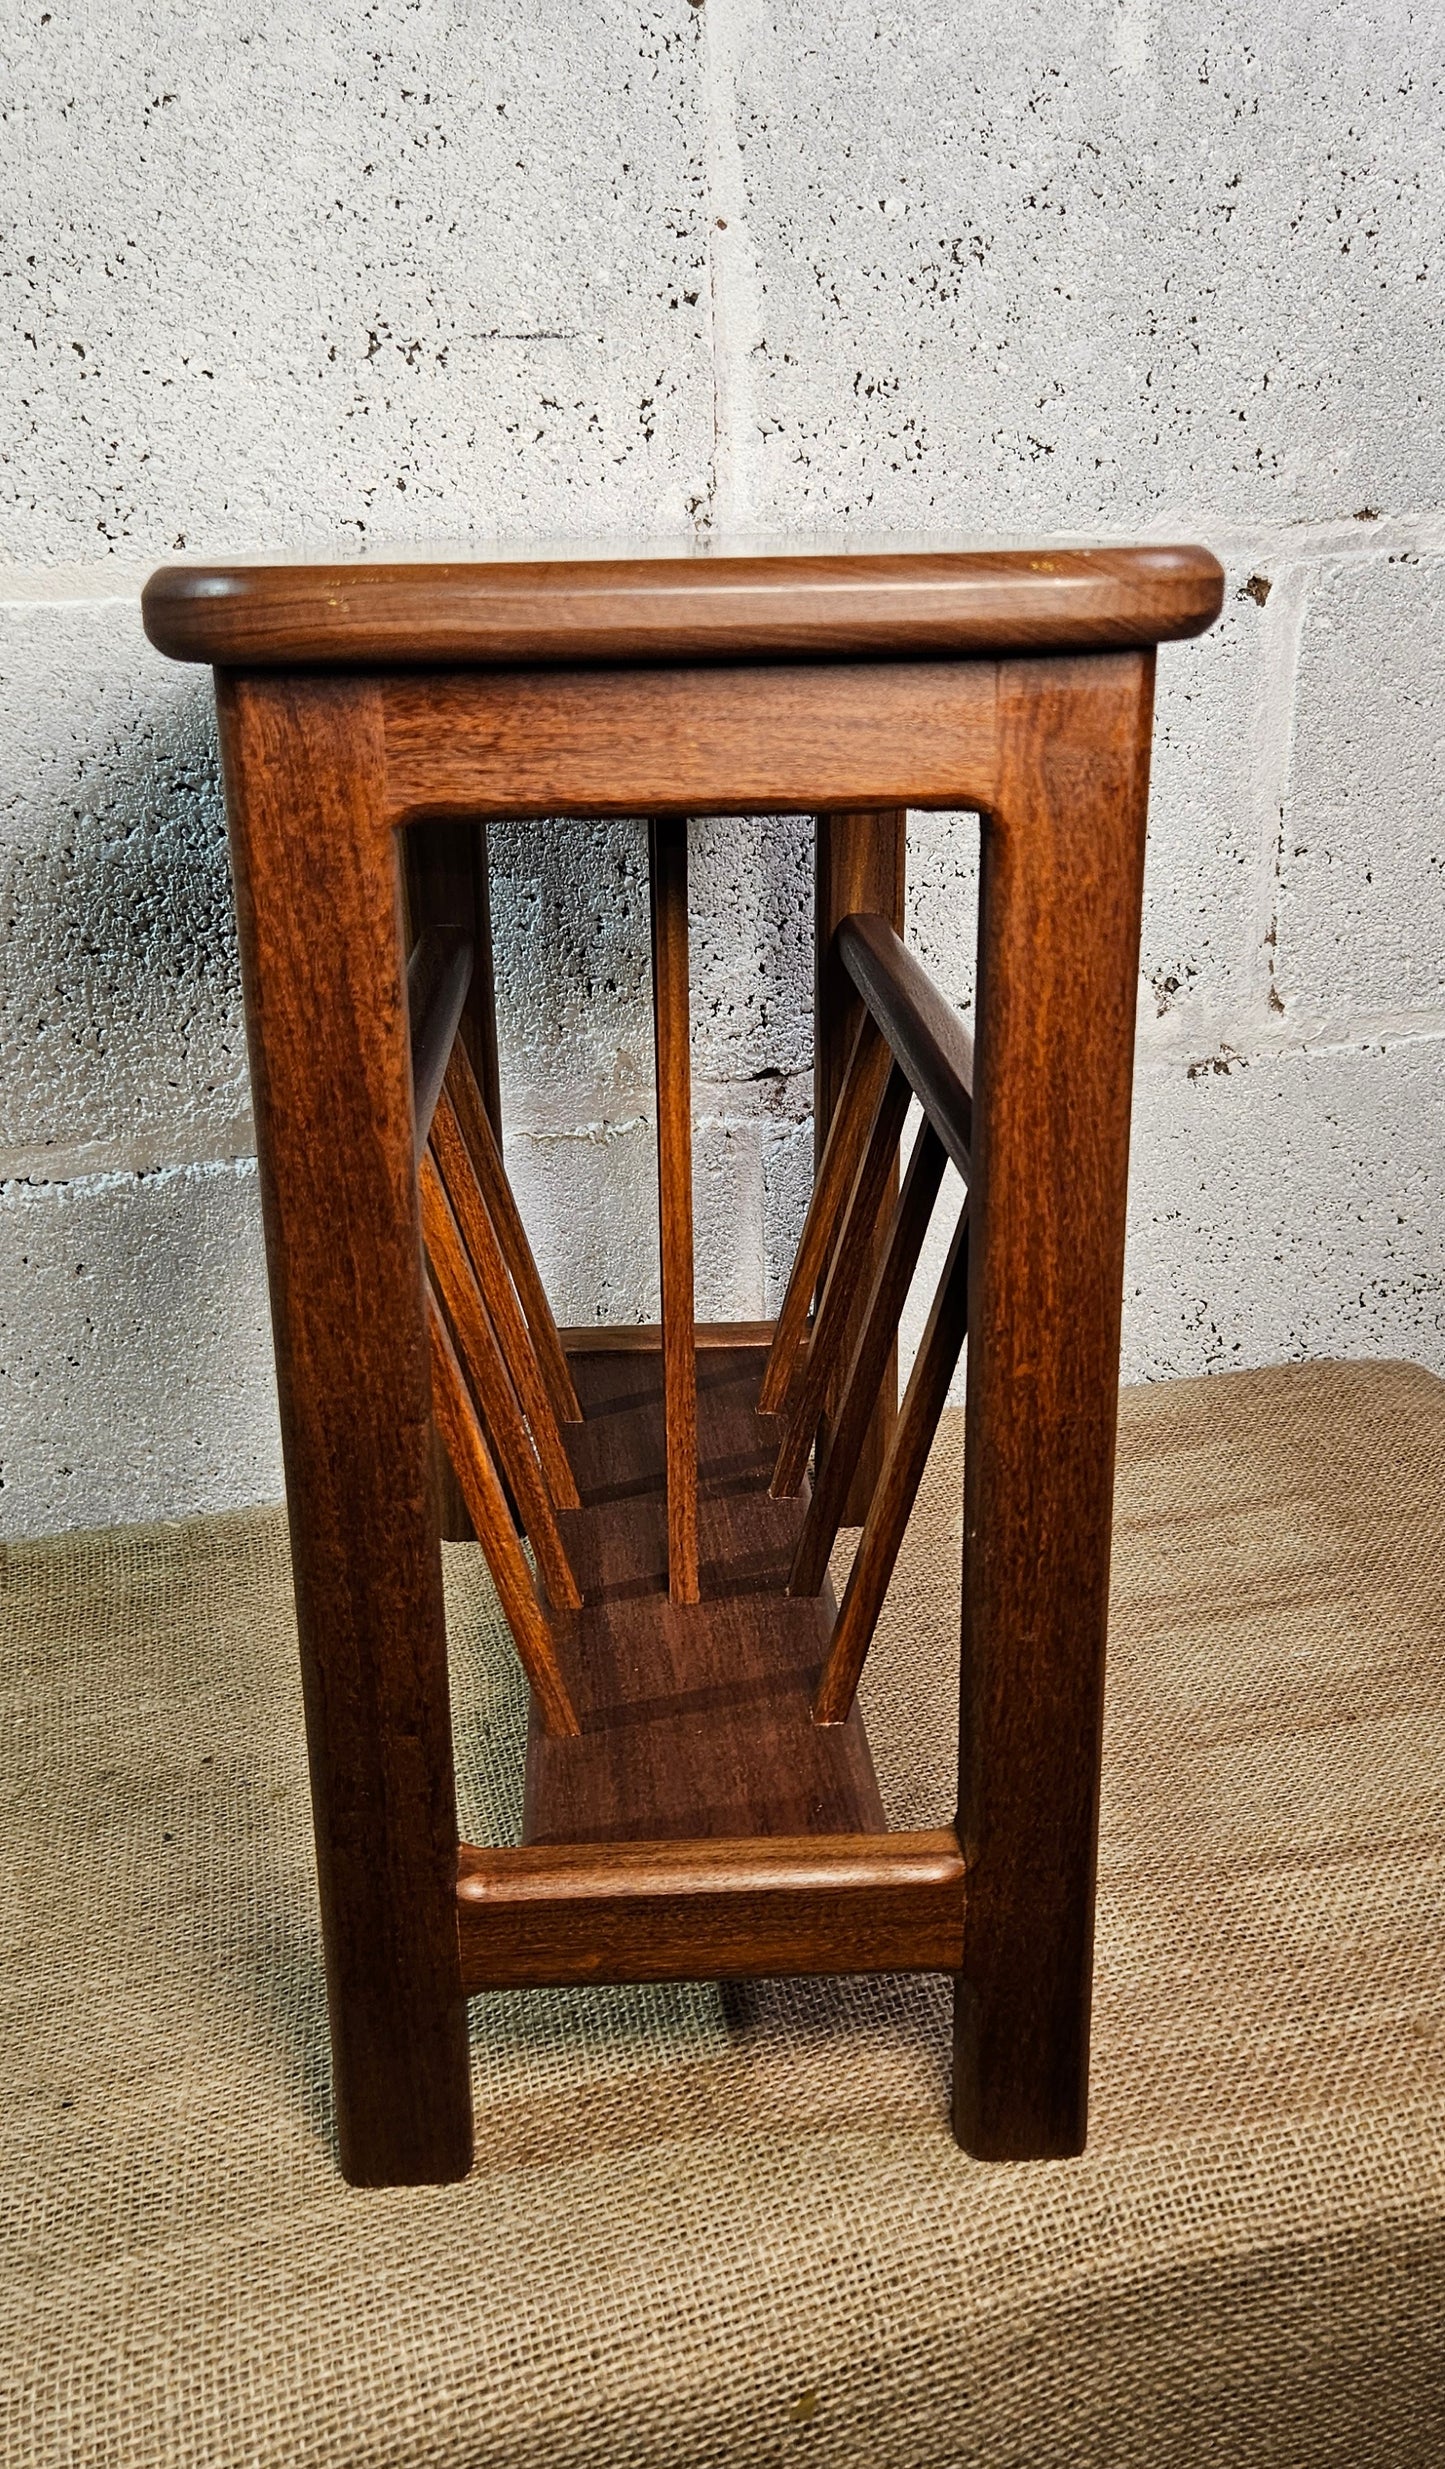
<point>847,1133</point>
<point>454,1163</point>
<point>923,1403</point>
<point>491,1383</point>
<point>874,1345</point>
<point>438,975</point>
<point>852,1255</point>
<point>487,1507</point>
<point>924,1033</point>
<point>486,1156</point>
<point>668,854</point>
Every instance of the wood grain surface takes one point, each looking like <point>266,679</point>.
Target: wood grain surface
<point>892,1504</point>
<point>784,740</point>
<point>860,863</point>
<point>717,1910</point>
<point>924,1033</point>
<point>491,1384</point>
<point>872,1349</point>
<point>453,1162</point>
<point>696,1718</point>
<point>318,903</point>
<point>530,611</point>
<point>851,1271</point>
<point>492,1519</point>
<point>438,976</point>
<point>445,874</point>
<point>485,1151</point>
<point>842,1150</point>
<point>1058,965</point>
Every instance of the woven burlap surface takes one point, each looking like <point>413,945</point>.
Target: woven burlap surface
<point>729,2227</point>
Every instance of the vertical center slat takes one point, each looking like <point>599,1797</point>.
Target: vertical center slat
<point>668,854</point>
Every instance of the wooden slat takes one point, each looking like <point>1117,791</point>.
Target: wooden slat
<point>487,1507</point>
<point>438,975</point>
<point>774,740</point>
<point>486,1155</point>
<point>640,1337</point>
<point>446,880</point>
<point>923,1031</point>
<point>860,862</point>
<point>852,1259</point>
<point>873,1564</point>
<point>668,852</point>
<point>843,1149</point>
<point>458,1175</point>
<point>491,1382</point>
<point>761,1908</point>
<point>874,1345</point>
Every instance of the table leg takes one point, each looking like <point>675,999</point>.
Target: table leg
<point>1058,957</point>
<point>317,888</point>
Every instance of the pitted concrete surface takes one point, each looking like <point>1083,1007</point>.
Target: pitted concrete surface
<point>647,270</point>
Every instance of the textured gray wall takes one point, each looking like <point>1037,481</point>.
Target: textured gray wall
<point>416,270</point>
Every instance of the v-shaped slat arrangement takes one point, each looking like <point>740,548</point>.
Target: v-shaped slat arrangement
<point>910,1044</point>
<point>500,1383</point>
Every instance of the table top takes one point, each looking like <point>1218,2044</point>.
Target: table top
<point>546,606</point>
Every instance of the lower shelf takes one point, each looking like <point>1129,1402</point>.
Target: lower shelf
<point>695,1717</point>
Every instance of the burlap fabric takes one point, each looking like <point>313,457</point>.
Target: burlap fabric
<point>729,2227</point>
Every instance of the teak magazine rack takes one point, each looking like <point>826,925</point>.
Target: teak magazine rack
<point>700,1800</point>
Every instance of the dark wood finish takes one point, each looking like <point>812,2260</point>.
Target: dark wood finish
<point>645,1336</point>
<point>445,870</point>
<point>445,894</point>
<point>491,1384</point>
<point>892,1504</point>
<point>874,685</point>
<point>487,1507</point>
<point>758,1909</point>
<point>438,976</point>
<point>843,1146</point>
<point>1060,896</point>
<point>454,1164</point>
<point>317,897</point>
<point>529,611</point>
<point>850,1272</point>
<point>923,1031</point>
<point>670,1019</point>
<point>689,741</point>
<point>860,864</point>
<point>485,1152</point>
<point>872,1350</point>
<point>696,1718</point>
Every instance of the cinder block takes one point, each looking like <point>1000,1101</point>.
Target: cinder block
<point>270,277</point>
<point>1016,267</point>
<point>135,1357</point>
<point>588,1196</point>
<point>751,918</point>
<point>1215,717</point>
<point>120,1010</point>
<point>1288,1206</point>
<point>573,956</point>
<point>1361,891</point>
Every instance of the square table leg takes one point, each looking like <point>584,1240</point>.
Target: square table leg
<point>317,889</point>
<point>1063,850</point>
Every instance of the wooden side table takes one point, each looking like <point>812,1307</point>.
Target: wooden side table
<point>700,1798</point>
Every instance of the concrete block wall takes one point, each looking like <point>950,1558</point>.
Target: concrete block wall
<point>417,271</point>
